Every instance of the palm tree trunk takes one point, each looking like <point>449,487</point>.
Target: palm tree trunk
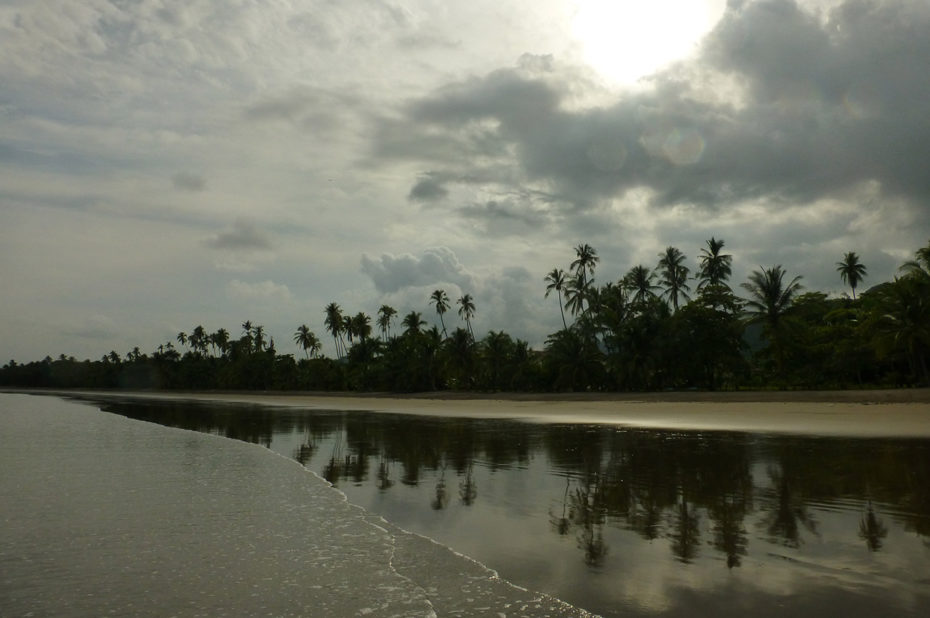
<point>562,311</point>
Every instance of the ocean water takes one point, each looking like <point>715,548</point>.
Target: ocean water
<point>106,515</point>
<point>229,504</point>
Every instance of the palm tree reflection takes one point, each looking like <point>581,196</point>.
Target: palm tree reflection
<point>440,498</point>
<point>468,490</point>
<point>686,535</point>
<point>384,475</point>
<point>872,530</point>
<point>562,524</point>
<point>788,511</point>
<point>588,513</point>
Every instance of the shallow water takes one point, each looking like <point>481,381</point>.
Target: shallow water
<point>103,515</point>
<point>628,521</point>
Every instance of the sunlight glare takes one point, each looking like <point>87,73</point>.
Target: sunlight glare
<point>624,40</point>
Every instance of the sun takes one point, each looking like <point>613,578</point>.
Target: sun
<point>624,40</point>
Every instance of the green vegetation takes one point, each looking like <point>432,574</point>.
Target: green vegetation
<point>644,331</point>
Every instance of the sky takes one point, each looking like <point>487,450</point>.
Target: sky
<point>166,164</point>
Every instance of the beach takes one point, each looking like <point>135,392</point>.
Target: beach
<point>852,413</point>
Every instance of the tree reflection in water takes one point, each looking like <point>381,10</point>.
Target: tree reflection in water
<point>440,498</point>
<point>468,489</point>
<point>652,483</point>
<point>588,514</point>
<point>562,523</point>
<point>872,530</point>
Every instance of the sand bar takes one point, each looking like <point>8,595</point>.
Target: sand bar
<point>879,413</point>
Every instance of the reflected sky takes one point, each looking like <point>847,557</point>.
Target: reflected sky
<point>626,521</point>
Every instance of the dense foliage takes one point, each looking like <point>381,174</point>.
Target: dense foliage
<point>649,330</point>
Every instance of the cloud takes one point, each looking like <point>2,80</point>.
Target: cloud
<point>509,216</point>
<point>438,265</point>
<point>97,326</point>
<point>244,235</point>
<point>819,105</point>
<point>188,181</point>
<point>263,290</point>
<point>428,189</point>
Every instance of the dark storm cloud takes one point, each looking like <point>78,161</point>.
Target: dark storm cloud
<point>392,273</point>
<point>187,181</point>
<point>822,104</point>
<point>244,235</point>
<point>428,189</point>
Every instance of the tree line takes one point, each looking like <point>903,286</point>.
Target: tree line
<point>654,328</point>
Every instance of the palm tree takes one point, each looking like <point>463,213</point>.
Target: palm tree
<point>334,323</point>
<point>413,322</point>
<point>769,299</point>
<point>441,300</point>
<point>306,340</point>
<point>467,311</point>
<point>919,267</point>
<point>674,275</point>
<point>715,266</point>
<point>221,340</point>
<point>556,281</point>
<point>639,282</point>
<point>182,338</point>
<point>905,323</point>
<point>851,270</point>
<point>576,290</point>
<point>247,335</point>
<point>348,329</point>
<point>361,325</point>
<point>585,262</point>
<point>198,339</point>
<point>258,337</point>
<point>385,315</point>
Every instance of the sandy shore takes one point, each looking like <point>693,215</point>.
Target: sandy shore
<point>880,413</point>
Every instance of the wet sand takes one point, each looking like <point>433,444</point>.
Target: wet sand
<point>876,413</point>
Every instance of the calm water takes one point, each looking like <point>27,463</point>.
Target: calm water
<point>627,522</point>
<point>106,516</point>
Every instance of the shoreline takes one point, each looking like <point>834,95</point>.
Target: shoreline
<point>875,413</point>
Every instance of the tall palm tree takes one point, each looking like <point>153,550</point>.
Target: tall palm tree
<point>467,311</point>
<point>258,336</point>
<point>306,340</point>
<point>638,281</point>
<point>441,300</point>
<point>247,335</point>
<point>585,262</point>
<point>715,266</point>
<point>361,325</point>
<point>385,315</point>
<point>348,329</point>
<point>769,299</point>
<point>221,339</point>
<point>851,270</point>
<point>334,324</point>
<point>674,275</point>
<point>198,339</point>
<point>413,322</point>
<point>182,338</point>
<point>556,281</point>
<point>576,290</point>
